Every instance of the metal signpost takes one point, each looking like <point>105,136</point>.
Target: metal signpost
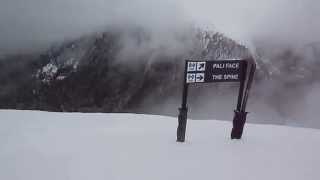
<point>197,72</point>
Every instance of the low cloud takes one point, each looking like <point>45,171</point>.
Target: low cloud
<point>35,23</point>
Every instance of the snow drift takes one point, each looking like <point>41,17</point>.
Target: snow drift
<point>41,145</point>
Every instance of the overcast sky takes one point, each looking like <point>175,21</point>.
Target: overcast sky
<point>33,23</point>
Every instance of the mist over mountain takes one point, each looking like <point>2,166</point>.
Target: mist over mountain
<point>123,64</point>
<point>37,23</point>
<point>127,56</point>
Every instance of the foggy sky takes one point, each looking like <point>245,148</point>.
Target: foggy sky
<point>27,24</point>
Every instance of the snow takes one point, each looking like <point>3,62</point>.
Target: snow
<point>50,69</point>
<point>60,78</point>
<point>42,145</point>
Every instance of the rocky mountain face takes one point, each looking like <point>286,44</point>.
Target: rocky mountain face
<point>99,73</point>
<point>130,71</point>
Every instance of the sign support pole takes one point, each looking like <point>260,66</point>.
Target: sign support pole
<point>240,115</point>
<point>183,111</point>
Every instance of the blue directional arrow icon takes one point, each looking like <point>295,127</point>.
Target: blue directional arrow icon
<point>201,66</point>
<point>200,77</point>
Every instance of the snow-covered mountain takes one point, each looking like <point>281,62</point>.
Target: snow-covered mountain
<point>111,71</point>
<point>40,145</point>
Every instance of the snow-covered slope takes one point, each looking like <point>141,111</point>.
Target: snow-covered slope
<point>41,145</point>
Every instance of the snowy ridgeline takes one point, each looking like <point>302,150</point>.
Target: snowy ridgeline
<point>51,146</point>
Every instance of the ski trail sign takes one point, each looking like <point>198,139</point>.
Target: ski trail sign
<point>215,71</point>
<point>197,72</point>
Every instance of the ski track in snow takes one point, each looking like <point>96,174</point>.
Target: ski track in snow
<point>51,146</point>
